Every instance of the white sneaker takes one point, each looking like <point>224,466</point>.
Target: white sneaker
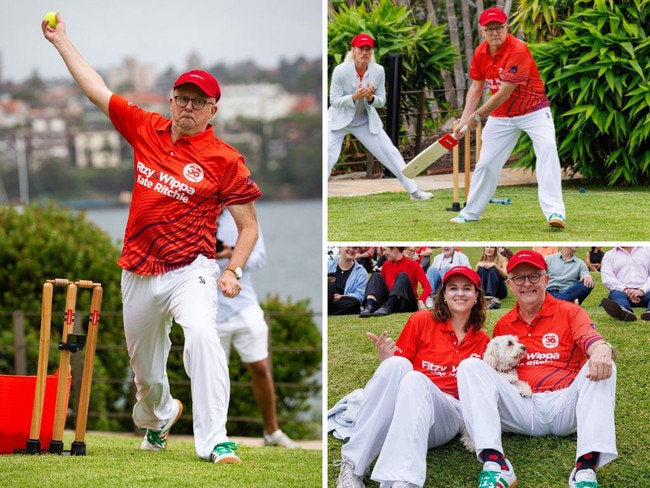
<point>156,440</point>
<point>421,195</point>
<point>279,438</point>
<point>347,478</point>
<point>461,219</point>
<point>493,476</point>
<point>585,478</point>
<point>429,302</point>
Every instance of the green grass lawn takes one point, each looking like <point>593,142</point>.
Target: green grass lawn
<point>598,214</point>
<point>540,462</point>
<point>116,461</point>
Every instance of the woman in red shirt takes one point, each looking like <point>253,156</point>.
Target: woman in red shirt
<point>411,403</point>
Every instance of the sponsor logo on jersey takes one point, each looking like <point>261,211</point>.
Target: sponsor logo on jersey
<point>193,172</point>
<point>550,341</point>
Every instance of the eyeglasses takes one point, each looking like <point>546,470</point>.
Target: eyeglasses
<point>197,103</point>
<point>494,30</point>
<point>532,278</point>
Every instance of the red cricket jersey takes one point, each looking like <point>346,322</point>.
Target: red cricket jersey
<point>556,343</point>
<point>513,63</point>
<point>434,350</point>
<point>390,270</point>
<point>178,192</point>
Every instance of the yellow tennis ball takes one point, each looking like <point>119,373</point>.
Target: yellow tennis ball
<point>51,19</point>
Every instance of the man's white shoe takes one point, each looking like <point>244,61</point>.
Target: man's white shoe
<point>421,195</point>
<point>156,440</point>
<point>279,438</point>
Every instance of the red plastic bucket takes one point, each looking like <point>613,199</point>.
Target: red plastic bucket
<point>16,405</point>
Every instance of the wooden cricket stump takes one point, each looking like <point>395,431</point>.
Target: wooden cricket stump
<point>70,343</point>
<point>455,206</point>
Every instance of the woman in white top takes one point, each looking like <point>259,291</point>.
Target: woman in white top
<point>356,92</point>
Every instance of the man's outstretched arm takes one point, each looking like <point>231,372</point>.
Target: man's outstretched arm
<point>86,77</point>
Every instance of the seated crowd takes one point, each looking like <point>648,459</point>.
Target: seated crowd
<point>378,281</point>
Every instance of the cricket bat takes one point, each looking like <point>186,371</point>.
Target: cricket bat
<point>431,154</point>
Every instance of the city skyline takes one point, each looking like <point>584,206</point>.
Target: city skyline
<point>217,32</point>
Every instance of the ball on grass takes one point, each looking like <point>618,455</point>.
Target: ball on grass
<point>51,19</point>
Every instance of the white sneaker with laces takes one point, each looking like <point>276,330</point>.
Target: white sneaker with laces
<point>421,195</point>
<point>279,438</point>
<point>585,478</point>
<point>493,476</point>
<point>156,440</point>
<point>347,478</point>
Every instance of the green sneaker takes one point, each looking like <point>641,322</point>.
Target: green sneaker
<point>156,440</point>
<point>224,453</point>
<point>585,478</point>
<point>493,476</point>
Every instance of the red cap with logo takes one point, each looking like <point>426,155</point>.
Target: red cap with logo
<point>204,80</point>
<point>361,40</point>
<point>493,14</point>
<point>527,256</point>
<point>465,271</point>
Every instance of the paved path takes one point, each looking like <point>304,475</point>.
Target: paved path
<point>347,186</point>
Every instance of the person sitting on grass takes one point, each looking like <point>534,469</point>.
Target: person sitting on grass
<point>346,283</point>
<point>570,368</point>
<point>416,374</point>
<point>491,267</point>
<point>626,274</point>
<point>569,277</point>
<point>395,288</point>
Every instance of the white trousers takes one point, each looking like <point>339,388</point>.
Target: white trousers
<point>189,297</point>
<point>402,415</point>
<point>498,140</point>
<point>379,145</point>
<point>491,405</point>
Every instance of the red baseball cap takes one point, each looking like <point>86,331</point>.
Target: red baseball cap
<point>465,271</point>
<point>204,80</point>
<point>493,14</point>
<point>527,256</point>
<point>361,40</point>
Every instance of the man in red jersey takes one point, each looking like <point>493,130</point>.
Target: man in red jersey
<point>395,288</point>
<point>517,104</point>
<point>183,177</point>
<point>569,367</point>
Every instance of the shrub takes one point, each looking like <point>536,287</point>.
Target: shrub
<point>596,78</point>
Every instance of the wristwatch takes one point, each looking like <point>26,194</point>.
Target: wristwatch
<point>235,269</point>
<point>477,117</point>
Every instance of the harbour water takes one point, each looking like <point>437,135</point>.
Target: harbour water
<point>293,237</point>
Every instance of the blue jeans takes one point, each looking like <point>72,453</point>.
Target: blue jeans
<point>621,298</point>
<point>576,291</point>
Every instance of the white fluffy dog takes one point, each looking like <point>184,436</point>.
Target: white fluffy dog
<point>503,353</point>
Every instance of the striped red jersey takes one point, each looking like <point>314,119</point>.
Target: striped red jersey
<point>556,343</point>
<point>178,192</point>
<point>513,63</point>
<point>433,349</point>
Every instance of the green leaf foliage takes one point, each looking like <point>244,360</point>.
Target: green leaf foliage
<point>596,76</point>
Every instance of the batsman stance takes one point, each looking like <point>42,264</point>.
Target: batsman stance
<point>517,104</point>
<point>183,177</point>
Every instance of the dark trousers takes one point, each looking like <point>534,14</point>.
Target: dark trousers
<point>492,283</point>
<point>621,298</point>
<point>576,291</point>
<point>402,289</point>
<point>345,305</point>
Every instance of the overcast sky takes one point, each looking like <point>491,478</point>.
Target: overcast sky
<point>161,33</point>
